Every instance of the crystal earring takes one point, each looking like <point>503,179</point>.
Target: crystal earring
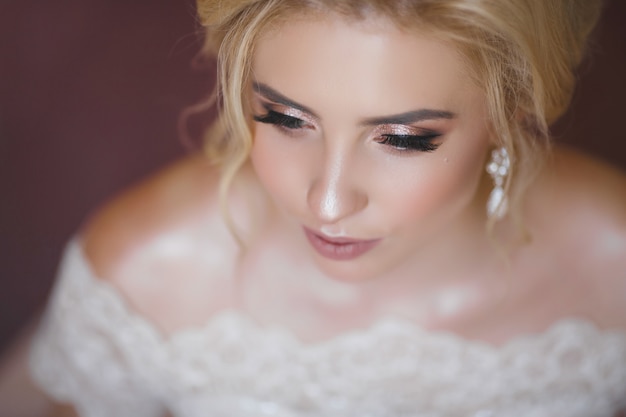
<point>498,169</point>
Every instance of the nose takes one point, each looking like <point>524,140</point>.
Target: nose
<point>334,193</point>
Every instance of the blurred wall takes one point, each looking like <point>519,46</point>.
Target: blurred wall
<point>90,92</point>
<point>594,121</point>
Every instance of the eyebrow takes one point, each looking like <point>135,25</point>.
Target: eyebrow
<point>273,95</point>
<point>409,117</point>
<point>396,119</point>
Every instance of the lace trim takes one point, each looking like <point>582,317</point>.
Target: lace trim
<point>112,295</point>
<point>392,368</point>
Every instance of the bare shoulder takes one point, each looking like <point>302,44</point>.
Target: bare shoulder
<point>578,173</point>
<point>146,210</point>
<point>590,192</point>
<point>165,246</point>
<point>583,201</point>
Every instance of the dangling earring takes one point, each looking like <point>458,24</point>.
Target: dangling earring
<point>498,169</point>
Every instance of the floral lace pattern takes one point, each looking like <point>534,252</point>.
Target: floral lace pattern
<point>96,353</point>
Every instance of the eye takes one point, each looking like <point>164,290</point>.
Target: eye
<point>408,143</point>
<point>281,120</point>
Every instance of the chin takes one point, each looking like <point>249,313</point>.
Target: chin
<point>350,272</point>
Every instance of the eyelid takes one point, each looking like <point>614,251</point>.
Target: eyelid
<point>288,111</point>
<point>402,130</point>
<point>379,130</point>
<point>419,139</point>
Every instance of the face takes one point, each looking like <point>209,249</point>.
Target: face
<point>371,141</point>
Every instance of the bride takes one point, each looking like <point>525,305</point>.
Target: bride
<point>379,227</point>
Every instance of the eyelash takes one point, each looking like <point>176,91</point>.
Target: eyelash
<point>408,143</point>
<point>281,120</point>
<point>402,143</point>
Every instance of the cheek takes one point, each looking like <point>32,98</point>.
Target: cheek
<point>278,168</point>
<point>439,190</point>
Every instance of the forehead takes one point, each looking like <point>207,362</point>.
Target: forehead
<point>368,65</point>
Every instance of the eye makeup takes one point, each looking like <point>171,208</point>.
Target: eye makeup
<point>406,138</point>
<point>291,118</point>
<point>280,119</point>
<point>268,93</point>
<point>285,118</point>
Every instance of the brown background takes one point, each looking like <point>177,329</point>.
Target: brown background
<point>90,92</point>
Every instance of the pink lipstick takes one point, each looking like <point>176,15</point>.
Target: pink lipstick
<point>339,249</point>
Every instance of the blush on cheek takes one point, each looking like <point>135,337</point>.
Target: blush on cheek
<point>464,168</point>
<point>266,167</point>
<point>277,169</point>
<point>465,178</point>
<point>440,195</point>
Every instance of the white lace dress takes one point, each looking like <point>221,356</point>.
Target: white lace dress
<point>97,354</point>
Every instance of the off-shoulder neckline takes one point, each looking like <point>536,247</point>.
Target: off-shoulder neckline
<point>390,323</point>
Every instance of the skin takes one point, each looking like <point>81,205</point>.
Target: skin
<point>435,263</point>
<point>334,174</point>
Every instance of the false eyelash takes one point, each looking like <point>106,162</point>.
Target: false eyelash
<point>411,142</point>
<point>280,119</point>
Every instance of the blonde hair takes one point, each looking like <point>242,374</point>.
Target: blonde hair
<point>522,53</point>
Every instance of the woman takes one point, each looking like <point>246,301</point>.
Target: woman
<point>379,230</point>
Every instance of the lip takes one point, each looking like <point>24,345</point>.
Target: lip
<point>339,249</point>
